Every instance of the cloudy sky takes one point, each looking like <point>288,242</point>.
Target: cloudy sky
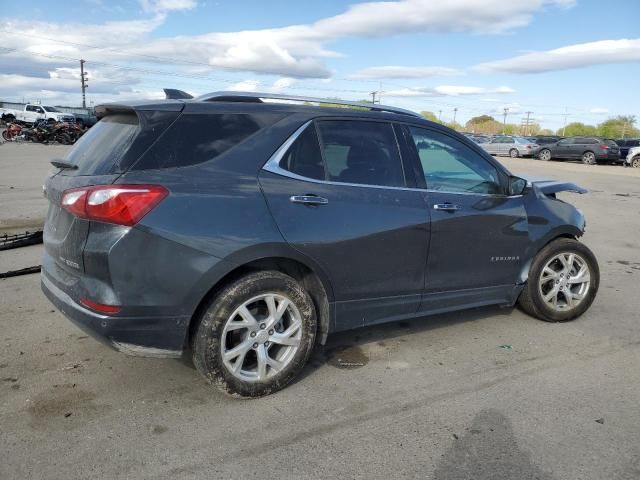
<point>550,57</point>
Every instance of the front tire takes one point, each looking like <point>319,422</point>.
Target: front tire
<point>256,335</point>
<point>589,158</point>
<point>545,154</point>
<point>635,161</point>
<point>562,283</point>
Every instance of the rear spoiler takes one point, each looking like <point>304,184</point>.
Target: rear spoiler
<point>133,107</point>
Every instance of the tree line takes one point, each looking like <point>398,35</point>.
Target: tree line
<point>621,126</point>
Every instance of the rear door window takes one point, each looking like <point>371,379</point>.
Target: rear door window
<point>361,152</point>
<point>304,157</point>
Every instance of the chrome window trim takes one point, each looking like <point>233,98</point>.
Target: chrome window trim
<point>273,165</point>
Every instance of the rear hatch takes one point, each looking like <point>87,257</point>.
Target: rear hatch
<point>104,153</point>
<point>614,149</point>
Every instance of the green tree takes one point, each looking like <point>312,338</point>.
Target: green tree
<point>482,119</point>
<point>577,129</point>
<point>455,125</point>
<point>429,116</point>
<point>617,127</point>
<point>484,124</point>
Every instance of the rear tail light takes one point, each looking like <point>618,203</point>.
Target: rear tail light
<point>119,204</point>
<point>604,146</point>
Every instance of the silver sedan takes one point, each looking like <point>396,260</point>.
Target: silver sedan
<point>512,146</point>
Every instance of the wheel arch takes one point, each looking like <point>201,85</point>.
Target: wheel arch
<point>568,231</point>
<point>306,272</point>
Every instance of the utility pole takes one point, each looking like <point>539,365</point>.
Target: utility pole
<point>504,121</point>
<point>566,115</point>
<point>83,82</point>
<point>439,115</point>
<point>373,97</point>
<point>455,112</point>
<point>624,129</point>
<point>527,123</point>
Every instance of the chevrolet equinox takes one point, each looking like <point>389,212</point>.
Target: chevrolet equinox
<point>243,228</point>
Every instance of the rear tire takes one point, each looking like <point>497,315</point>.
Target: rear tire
<point>560,290</point>
<point>513,153</point>
<point>243,347</point>
<point>589,158</point>
<point>545,155</point>
<point>5,135</point>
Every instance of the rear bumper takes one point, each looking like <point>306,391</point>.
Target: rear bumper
<point>139,336</point>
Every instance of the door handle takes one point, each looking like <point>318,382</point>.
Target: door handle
<point>308,200</point>
<point>447,207</point>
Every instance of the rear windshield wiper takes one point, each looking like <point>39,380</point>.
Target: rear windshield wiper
<point>63,165</point>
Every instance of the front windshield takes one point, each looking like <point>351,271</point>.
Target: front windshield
<point>52,109</point>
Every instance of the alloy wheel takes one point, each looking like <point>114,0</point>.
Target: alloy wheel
<point>545,155</point>
<point>513,153</point>
<point>564,281</point>
<point>635,162</point>
<point>261,337</point>
<point>589,158</point>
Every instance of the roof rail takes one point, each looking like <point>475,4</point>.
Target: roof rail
<point>257,97</point>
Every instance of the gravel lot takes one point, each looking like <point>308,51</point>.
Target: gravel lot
<point>485,394</point>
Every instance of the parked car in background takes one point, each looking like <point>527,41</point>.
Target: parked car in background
<point>244,232</point>
<point>31,113</point>
<point>633,157</point>
<point>626,144</point>
<point>545,139</point>
<point>88,119</point>
<point>590,150</point>
<point>512,146</point>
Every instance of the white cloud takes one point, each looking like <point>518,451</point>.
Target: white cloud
<point>599,110</point>
<point>377,19</point>
<point>373,73</point>
<point>244,86</point>
<point>164,6</point>
<point>447,90</point>
<point>295,51</point>
<point>572,56</point>
<point>281,84</point>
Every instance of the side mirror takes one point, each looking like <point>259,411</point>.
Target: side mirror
<point>517,185</point>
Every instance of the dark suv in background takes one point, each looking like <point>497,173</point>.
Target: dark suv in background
<point>243,232</point>
<point>625,145</point>
<point>590,150</point>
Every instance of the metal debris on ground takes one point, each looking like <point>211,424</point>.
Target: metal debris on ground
<point>20,240</point>
<point>22,271</point>
<point>506,346</point>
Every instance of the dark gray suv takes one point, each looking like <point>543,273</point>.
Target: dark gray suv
<point>242,231</point>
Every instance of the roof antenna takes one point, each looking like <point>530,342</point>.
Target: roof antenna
<point>173,94</point>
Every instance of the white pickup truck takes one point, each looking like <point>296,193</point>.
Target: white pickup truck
<point>31,113</point>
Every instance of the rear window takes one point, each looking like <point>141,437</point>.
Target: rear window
<point>116,141</point>
<point>197,138</point>
<point>104,145</point>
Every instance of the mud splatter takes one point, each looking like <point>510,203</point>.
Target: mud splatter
<point>347,357</point>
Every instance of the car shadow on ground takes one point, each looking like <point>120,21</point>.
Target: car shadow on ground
<point>342,349</point>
